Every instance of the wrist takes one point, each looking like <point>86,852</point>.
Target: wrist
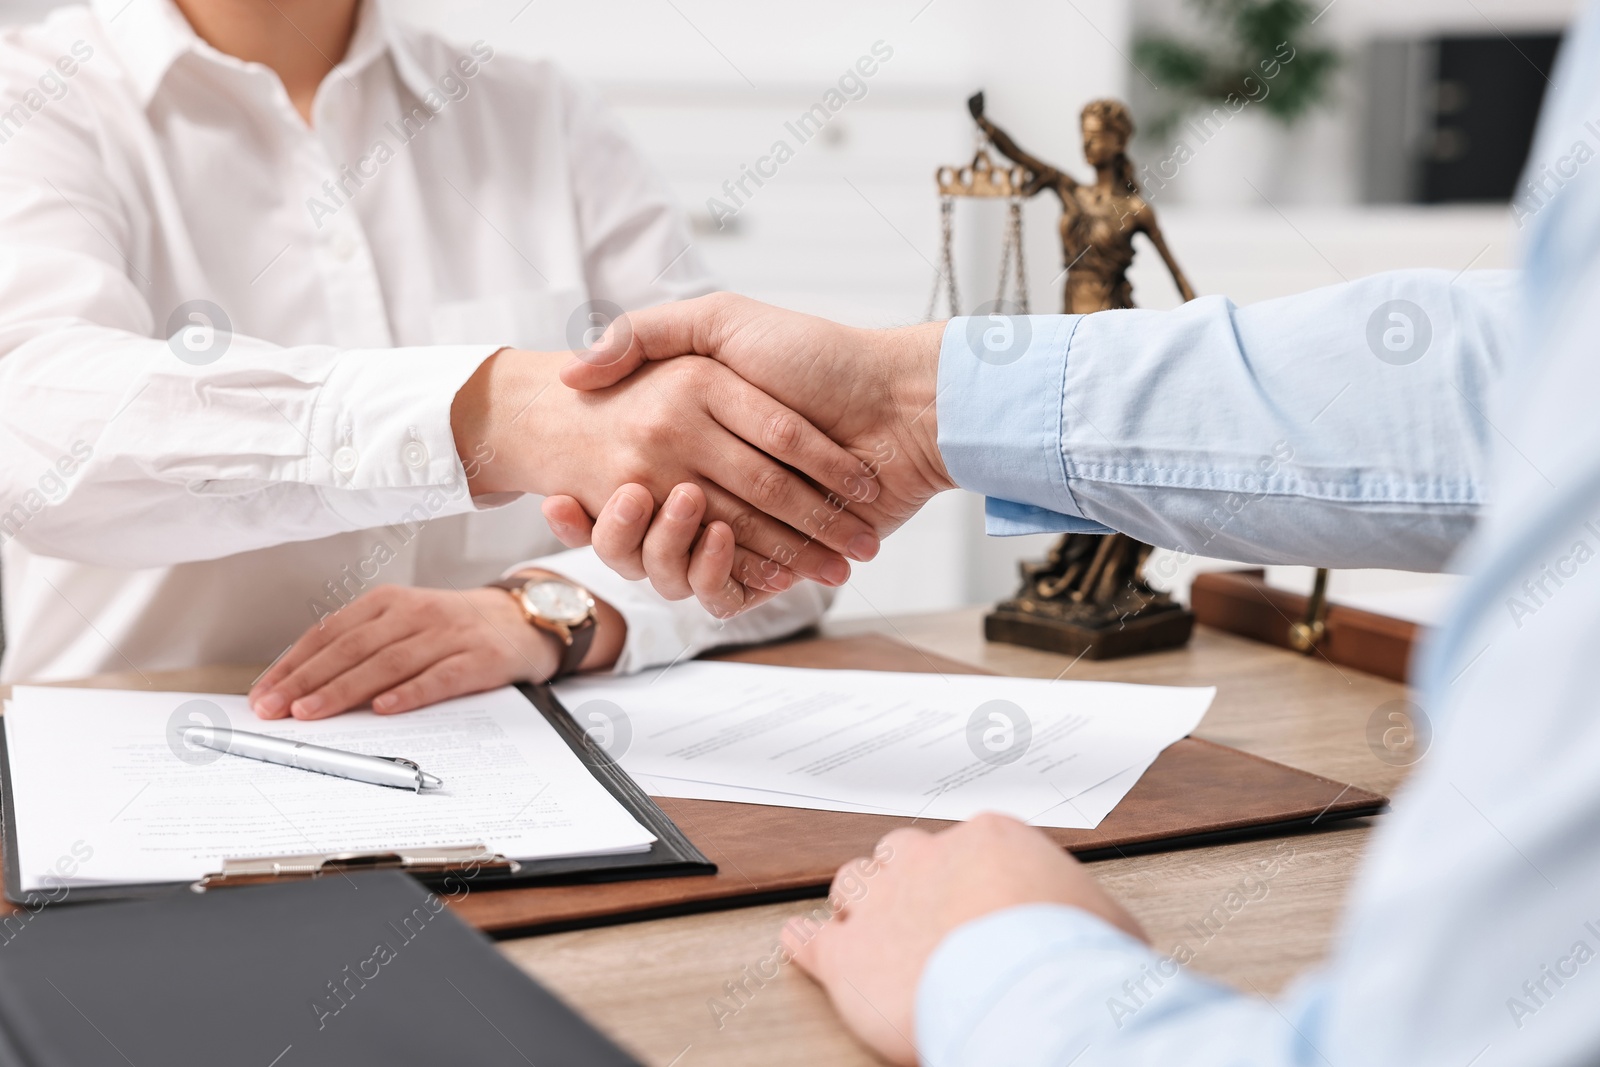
<point>484,419</point>
<point>911,355</point>
<point>538,654</point>
<point>610,628</point>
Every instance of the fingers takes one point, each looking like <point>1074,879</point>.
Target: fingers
<point>620,529</point>
<point>670,539</point>
<point>454,675</point>
<point>678,568</point>
<point>568,521</point>
<point>265,699</point>
<point>790,439</point>
<point>374,637</point>
<point>363,679</point>
<point>758,474</point>
<point>777,545</point>
<point>715,571</point>
<point>807,943</point>
<point>635,540</point>
<point>822,524</point>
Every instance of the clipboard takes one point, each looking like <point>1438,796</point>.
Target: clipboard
<point>388,977</point>
<point>451,866</point>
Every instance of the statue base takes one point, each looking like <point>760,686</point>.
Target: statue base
<point>1090,634</point>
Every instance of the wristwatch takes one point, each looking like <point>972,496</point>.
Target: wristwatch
<point>558,607</point>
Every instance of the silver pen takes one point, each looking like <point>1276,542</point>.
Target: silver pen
<point>376,770</point>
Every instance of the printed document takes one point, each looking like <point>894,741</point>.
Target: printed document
<point>938,746</point>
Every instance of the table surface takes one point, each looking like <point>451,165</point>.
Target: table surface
<point>662,988</point>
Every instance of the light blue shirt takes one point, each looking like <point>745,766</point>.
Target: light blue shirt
<point>1459,427</point>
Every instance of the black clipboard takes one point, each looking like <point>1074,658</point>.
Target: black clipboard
<point>672,855</point>
<point>350,950</point>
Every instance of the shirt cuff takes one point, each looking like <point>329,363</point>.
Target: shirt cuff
<point>975,997</point>
<point>1000,401</point>
<point>1007,518</point>
<point>381,432</point>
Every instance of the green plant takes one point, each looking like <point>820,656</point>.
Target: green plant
<point>1265,52</point>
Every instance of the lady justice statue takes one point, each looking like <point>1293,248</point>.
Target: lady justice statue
<point>1090,597</point>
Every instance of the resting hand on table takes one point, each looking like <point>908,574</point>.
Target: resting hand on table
<point>869,957</point>
<point>401,648</point>
<point>871,391</point>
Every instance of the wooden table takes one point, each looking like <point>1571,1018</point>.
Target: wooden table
<point>651,985</point>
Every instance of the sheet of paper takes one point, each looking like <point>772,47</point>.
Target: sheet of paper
<point>1082,812</point>
<point>942,747</point>
<point>102,772</point>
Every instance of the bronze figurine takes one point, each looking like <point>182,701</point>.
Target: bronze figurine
<point>1098,220</point>
<point>1089,596</point>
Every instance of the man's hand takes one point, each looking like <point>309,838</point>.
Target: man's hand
<point>691,422</point>
<point>871,391</point>
<point>402,648</point>
<point>917,889</point>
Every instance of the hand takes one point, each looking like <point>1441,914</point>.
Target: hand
<point>918,888</point>
<point>402,648</point>
<point>671,549</point>
<point>871,391</point>
<point>684,422</point>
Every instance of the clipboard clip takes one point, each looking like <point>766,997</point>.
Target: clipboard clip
<point>255,870</point>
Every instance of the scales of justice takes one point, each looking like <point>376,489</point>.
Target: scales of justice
<point>1089,596</point>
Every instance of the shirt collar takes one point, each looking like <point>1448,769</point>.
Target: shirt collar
<point>152,35</point>
<point>149,36</point>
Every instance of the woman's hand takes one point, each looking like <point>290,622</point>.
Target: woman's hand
<point>669,547</point>
<point>402,648</point>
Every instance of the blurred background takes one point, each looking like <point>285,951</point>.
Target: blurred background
<point>1392,138</point>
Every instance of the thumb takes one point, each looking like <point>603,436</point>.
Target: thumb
<point>609,360</point>
<point>568,521</point>
<point>680,329</point>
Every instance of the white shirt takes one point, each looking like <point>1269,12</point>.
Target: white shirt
<point>170,504</point>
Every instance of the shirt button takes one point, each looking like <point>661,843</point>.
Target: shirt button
<point>344,248</point>
<point>344,460</point>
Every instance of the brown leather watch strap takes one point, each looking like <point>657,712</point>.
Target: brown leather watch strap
<point>578,647</point>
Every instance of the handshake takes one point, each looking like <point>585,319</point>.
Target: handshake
<point>720,447</point>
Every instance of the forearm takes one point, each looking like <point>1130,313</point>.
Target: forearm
<point>161,461</point>
<point>1272,433</point>
<point>1013,151</point>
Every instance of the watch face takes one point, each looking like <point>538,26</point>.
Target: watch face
<point>558,601</point>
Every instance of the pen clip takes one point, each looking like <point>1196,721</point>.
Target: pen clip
<point>402,761</point>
